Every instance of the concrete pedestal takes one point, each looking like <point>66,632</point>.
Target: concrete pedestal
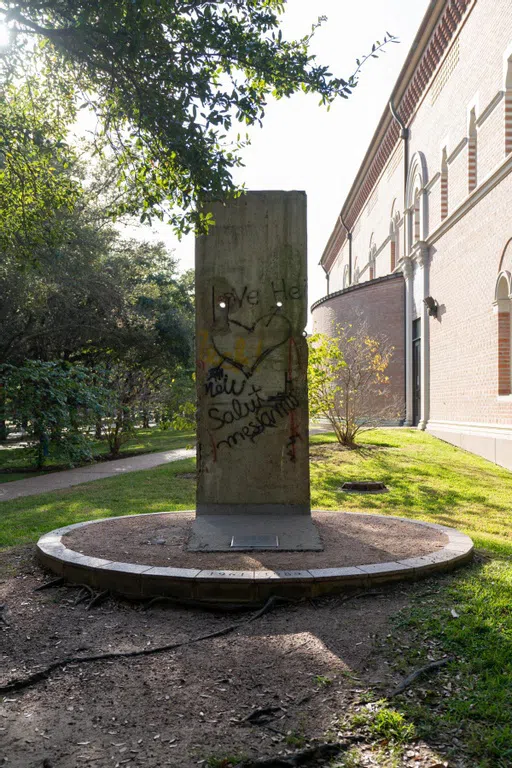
<point>258,532</point>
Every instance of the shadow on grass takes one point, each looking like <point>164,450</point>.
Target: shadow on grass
<point>442,485</point>
<point>470,699</point>
<point>24,520</point>
<point>466,619</point>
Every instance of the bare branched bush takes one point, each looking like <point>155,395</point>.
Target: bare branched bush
<point>348,381</point>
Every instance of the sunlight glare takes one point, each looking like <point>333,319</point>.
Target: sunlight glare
<point>4,35</point>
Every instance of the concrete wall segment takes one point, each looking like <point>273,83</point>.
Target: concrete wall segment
<point>251,297</point>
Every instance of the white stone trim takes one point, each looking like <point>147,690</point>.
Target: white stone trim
<point>492,180</point>
<point>507,57</point>
<point>433,181</point>
<point>444,145</point>
<point>473,105</point>
<point>503,431</point>
<point>379,250</point>
<point>487,112</point>
<point>503,275</point>
<point>458,149</point>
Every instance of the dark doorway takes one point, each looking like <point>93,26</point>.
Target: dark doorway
<point>416,371</point>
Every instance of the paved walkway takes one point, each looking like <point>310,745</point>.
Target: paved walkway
<point>54,481</point>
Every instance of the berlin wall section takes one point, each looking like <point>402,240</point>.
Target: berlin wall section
<point>251,295</point>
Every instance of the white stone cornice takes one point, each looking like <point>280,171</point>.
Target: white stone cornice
<point>421,253</point>
<point>406,265</point>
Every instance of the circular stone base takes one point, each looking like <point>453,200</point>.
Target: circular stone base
<point>144,556</point>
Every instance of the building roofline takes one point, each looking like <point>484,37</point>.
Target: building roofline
<point>435,33</point>
<point>357,286</point>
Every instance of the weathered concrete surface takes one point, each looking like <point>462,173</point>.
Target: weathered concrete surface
<point>214,533</point>
<point>251,294</point>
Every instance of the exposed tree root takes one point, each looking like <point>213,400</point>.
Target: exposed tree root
<point>356,596</point>
<point>310,756</point>
<point>262,716</point>
<point>97,599</point>
<point>203,605</point>
<point>18,684</point>
<point>85,592</point>
<point>53,583</point>
<point>410,679</point>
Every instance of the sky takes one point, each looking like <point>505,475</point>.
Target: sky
<point>305,147</point>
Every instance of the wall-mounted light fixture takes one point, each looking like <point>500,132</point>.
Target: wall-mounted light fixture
<point>431,305</point>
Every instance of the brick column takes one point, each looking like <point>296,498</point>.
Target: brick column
<point>444,185</point>
<point>471,163</point>
<point>472,150</point>
<point>444,195</point>
<point>508,121</point>
<point>503,347</point>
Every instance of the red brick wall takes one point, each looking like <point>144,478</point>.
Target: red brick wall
<point>381,303</point>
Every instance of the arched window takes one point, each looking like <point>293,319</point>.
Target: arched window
<point>472,151</point>
<point>444,184</point>
<point>416,216</point>
<point>416,197</point>
<point>508,104</point>
<point>345,276</point>
<point>356,275</point>
<point>502,304</point>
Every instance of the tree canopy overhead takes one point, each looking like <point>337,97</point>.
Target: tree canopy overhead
<point>37,190</point>
<point>167,79</point>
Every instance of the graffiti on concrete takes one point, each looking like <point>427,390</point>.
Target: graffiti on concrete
<point>239,357</point>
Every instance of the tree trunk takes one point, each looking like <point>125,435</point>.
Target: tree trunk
<point>3,425</point>
<point>115,438</point>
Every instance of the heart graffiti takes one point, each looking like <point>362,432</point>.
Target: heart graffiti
<point>267,333</point>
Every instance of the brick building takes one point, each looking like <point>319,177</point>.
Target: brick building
<point>431,207</point>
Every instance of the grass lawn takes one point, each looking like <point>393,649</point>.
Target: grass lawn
<point>466,615</point>
<point>144,441</point>
<point>155,490</point>
<point>10,476</point>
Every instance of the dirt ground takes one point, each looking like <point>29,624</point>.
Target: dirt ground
<point>312,663</point>
<point>349,539</point>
